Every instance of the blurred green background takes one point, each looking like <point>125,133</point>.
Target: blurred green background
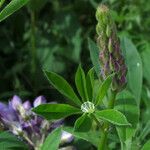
<point>52,35</point>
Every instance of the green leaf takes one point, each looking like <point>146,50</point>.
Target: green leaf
<point>126,104</point>
<point>113,116</point>
<point>13,6</point>
<point>90,136</point>
<point>103,89</point>
<point>83,123</point>
<point>146,146</point>
<point>62,86</point>
<point>134,75</point>
<point>145,54</point>
<point>55,111</point>
<point>81,83</point>
<point>94,54</point>
<point>52,141</point>
<point>10,142</point>
<point>90,83</point>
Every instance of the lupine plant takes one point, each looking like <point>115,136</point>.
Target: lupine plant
<point>92,91</point>
<point>105,102</point>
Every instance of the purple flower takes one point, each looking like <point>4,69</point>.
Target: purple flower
<point>21,121</point>
<point>39,100</point>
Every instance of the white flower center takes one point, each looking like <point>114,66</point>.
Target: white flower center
<point>88,107</point>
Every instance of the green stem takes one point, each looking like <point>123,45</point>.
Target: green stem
<point>103,140</point>
<point>33,43</point>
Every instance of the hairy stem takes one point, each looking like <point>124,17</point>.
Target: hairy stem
<point>103,140</point>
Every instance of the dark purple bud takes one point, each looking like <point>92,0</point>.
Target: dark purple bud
<point>39,100</point>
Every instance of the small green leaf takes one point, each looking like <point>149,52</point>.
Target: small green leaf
<point>83,123</point>
<point>103,89</point>
<point>90,83</point>
<point>94,54</point>
<point>55,111</point>
<point>13,6</point>
<point>62,86</point>
<point>81,83</point>
<point>9,142</point>
<point>49,142</point>
<point>146,146</point>
<point>113,116</point>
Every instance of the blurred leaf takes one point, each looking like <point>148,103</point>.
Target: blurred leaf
<point>146,146</point>
<point>145,54</point>
<point>83,123</point>
<point>90,136</point>
<point>90,83</point>
<point>134,75</point>
<point>13,6</point>
<point>102,91</point>
<point>10,142</point>
<point>128,106</point>
<point>94,54</point>
<point>55,111</point>
<point>81,84</point>
<point>49,141</point>
<point>62,86</point>
<point>113,116</point>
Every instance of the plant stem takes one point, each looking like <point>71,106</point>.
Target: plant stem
<point>33,44</point>
<point>103,139</point>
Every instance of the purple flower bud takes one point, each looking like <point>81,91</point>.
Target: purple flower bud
<point>66,137</point>
<point>39,100</point>
<point>27,105</point>
<point>15,102</point>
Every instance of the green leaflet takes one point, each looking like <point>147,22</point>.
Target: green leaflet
<point>90,83</point>
<point>83,123</point>
<point>55,111</point>
<point>81,83</point>
<point>113,116</point>
<point>13,6</point>
<point>62,86</point>
<point>103,89</point>
<point>52,141</point>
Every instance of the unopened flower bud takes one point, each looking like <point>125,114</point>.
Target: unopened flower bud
<point>111,58</point>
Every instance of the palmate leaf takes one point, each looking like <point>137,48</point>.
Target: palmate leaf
<point>113,116</point>
<point>104,88</point>
<point>62,86</point>
<point>13,6</point>
<point>81,83</point>
<point>52,141</point>
<point>83,123</point>
<point>90,83</point>
<point>55,111</point>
